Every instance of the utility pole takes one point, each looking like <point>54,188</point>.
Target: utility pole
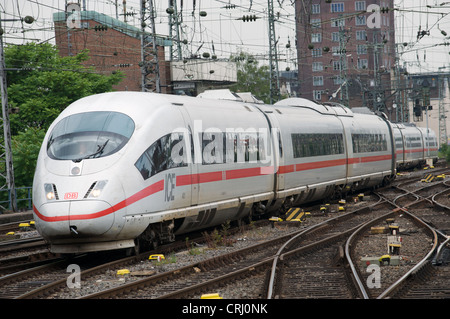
<point>273,56</point>
<point>6,155</point>
<point>175,20</point>
<point>149,64</point>
<point>343,65</point>
<point>443,84</point>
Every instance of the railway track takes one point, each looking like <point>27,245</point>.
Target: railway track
<point>426,276</point>
<point>182,281</point>
<point>312,263</point>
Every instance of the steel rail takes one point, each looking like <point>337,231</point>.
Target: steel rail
<point>417,267</point>
<point>280,253</point>
<point>348,244</point>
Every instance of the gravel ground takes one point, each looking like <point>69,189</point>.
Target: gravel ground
<point>190,255</point>
<point>414,246</point>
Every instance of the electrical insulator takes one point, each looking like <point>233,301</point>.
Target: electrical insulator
<point>100,28</point>
<point>249,18</point>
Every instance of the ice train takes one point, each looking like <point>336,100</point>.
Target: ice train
<point>123,169</point>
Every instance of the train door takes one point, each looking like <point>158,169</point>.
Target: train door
<point>277,148</point>
<point>191,175</point>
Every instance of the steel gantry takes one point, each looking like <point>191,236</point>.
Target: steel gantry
<point>149,51</point>
<point>273,56</point>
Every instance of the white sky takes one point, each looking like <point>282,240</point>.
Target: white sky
<point>229,35</point>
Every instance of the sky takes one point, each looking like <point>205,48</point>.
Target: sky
<point>223,33</point>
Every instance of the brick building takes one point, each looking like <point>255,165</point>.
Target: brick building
<point>113,45</point>
<point>343,58</point>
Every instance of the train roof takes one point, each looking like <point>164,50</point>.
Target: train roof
<point>323,108</point>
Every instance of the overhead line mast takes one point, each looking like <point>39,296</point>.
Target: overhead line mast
<point>273,56</point>
<point>149,51</point>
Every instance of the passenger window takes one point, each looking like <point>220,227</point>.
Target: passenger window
<point>167,152</point>
<point>308,145</point>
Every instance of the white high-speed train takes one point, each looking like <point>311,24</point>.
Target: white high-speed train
<point>120,169</point>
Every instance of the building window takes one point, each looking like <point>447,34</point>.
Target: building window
<point>336,50</point>
<point>336,65</point>
<point>337,80</point>
<point>363,64</point>
<point>315,8</point>
<point>361,49</point>
<point>335,36</point>
<point>317,53</point>
<point>337,7</point>
<point>315,23</point>
<point>361,35</point>
<point>360,6</point>
<point>317,80</point>
<point>316,37</point>
<point>339,22</point>
<point>360,20</point>
<point>317,95</point>
<point>317,66</point>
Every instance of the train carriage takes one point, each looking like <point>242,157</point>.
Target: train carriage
<point>123,169</point>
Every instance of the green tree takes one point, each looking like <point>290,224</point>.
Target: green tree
<point>251,77</point>
<point>43,83</point>
<point>444,152</point>
<point>25,148</point>
<point>40,85</point>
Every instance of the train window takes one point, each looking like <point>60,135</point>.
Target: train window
<point>233,147</point>
<point>307,145</point>
<point>413,141</point>
<point>363,143</point>
<point>166,153</point>
<point>431,141</point>
<point>89,135</point>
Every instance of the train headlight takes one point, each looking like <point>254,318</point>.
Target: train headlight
<point>50,192</point>
<point>96,189</point>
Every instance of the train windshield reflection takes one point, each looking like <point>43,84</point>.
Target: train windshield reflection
<point>89,135</point>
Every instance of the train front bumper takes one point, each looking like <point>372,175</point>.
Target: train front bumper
<point>66,221</point>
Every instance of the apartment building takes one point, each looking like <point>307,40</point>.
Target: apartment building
<point>346,51</point>
<point>113,45</point>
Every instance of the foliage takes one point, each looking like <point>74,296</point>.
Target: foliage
<point>251,77</point>
<point>25,148</point>
<point>445,152</point>
<point>45,83</point>
<point>41,84</point>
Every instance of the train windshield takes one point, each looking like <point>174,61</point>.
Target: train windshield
<point>89,135</point>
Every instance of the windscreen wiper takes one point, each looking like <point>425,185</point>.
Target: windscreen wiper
<point>98,152</point>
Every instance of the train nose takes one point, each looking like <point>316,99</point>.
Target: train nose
<point>74,219</point>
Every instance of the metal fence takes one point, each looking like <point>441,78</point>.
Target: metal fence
<point>23,199</point>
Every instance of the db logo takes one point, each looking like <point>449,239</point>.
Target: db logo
<point>72,195</point>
